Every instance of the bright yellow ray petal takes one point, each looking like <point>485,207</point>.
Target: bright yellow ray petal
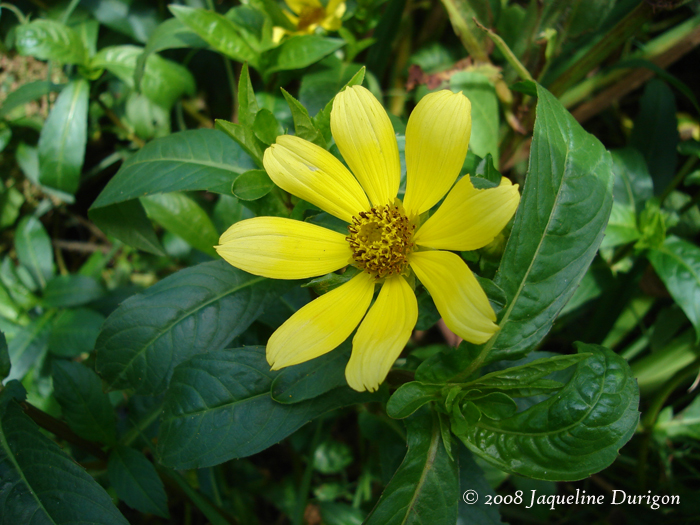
<point>299,5</point>
<point>460,300</point>
<point>437,138</point>
<point>469,218</point>
<point>321,325</point>
<point>334,12</point>
<point>315,175</point>
<point>366,139</point>
<point>382,335</point>
<point>281,248</point>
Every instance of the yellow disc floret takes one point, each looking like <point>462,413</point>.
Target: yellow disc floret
<point>381,240</point>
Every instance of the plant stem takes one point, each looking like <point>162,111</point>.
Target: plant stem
<point>20,16</point>
<point>522,71</point>
<point>69,10</point>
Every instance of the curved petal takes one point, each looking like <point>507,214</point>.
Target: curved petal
<point>334,13</point>
<point>297,6</point>
<point>365,137</point>
<point>321,325</point>
<point>315,175</point>
<point>437,138</point>
<point>460,300</point>
<point>281,248</point>
<point>469,218</point>
<point>382,335</point>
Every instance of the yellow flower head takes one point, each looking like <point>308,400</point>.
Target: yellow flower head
<point>385,239</point>
<point>310,14</point>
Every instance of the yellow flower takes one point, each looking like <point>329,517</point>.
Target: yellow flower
<point>386,239</point>
<point>310,14</point>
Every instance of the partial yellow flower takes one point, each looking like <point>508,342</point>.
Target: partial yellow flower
<point>310,14</point>
<point>386,239</point>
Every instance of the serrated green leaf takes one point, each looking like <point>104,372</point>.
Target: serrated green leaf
<point>426,483</point>
<point>74,332</point>
<point>485,122</point>
<point>252,185</point>
<point>231,414</point>
<point>299,52</point>
<point>677,262</point>
<point>50,40</point>
<point>34,249</point>
<point>85,407</point>
<point>41,484</point>
<point>127,221</point>
<point>63,138</point>
<point>199,309</point>
<point>303,125</point>
<point>557,230</point>
<point>218,31</point>
<point>136,481</point>
<point>409,397</point>
<point>571,435</point>
<point>182,216</point>
<point>71,290</point>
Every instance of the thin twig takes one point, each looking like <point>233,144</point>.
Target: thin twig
<point>82,247</point>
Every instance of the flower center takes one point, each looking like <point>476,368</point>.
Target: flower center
<point>381,240</point>
<point>309,16</point>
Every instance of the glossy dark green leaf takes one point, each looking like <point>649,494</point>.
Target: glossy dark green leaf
<point>485,122</point>
<point>409,397</point>
<point>303,124</point>
<point>319,87</point>
<point>299,52</point>
<point>218,407</point>
<point>312,378</point>
<point>127,221</point>
<point>559,225</point>
<point>218,31</point>
<point>71,290</point>
<point>136,481</point>
<point>34,249</point>
<point>63,138</point>
<point>426,485</point>
<point>41,484</point>
<point>252,185</point>
<point>496,405</point>
<point>4,358</point>
<point>202,159</point>
<point>50,40</point>
<point>86,408</point>
<point>181,215</point>
<point>677,262</point>
<point>74,332</point>
<point>199,309</point>
<point>27,93</point>
<point>570,435</point>
<point>266,127</point>
<point>655,132</point>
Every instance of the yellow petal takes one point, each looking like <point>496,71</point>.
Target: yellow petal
<point>299,5</point>
<point>437,138</point>
<point>281,248</point>
<point>334,12</point>
<point>460,300</point>
<point>321,325</point>
<point>469,218</point>
<point>313,174</point>
<point>365,137</point>
<point>382,335</point>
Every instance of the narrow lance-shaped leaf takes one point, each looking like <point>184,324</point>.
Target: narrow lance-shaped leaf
<point>199,309</point>
<point>299,52</point>
<point>426,483</point>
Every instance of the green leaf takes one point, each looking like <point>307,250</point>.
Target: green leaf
<point>275,12</point>
<point>136,20</point>
<point>181,215</point>
<point>252,185</point>
<point>312,378</point>
<point>85,407</point>
<point>471,477</point>
<point>571,435</point>
<point>319,87</point>
<point>655,132</point>
<point>266,127</point>
<point>426,483</point>
<point>677,262</point>
<point>4,358</point>
<point>127,221</point>
<point>26,93</point>
<point>622,226</point>
<point>28,160</point>
<point>148,119</point>
<point>633,184</point>
<point>303,125</point>
<point>71,290</point>
<point>322,121</point>
<point>218,31</point>
<point>218,407</point>
<point>41,484</point>
<point>11,201</point>
<point>199,309</point>
<point>557,230</point>
<point>136,481</point>
<point>50,40</point>
<point>202,159</point>
<point>299,52</point>
<point>409,397</point>
<point>496,405</point>
<point>34,250</point>
<point>63,138</point>
<point>485,122</point>
<point>74,332</point>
